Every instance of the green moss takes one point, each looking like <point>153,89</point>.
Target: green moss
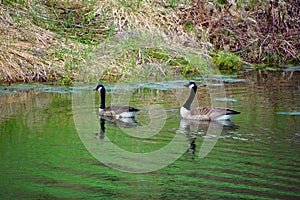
<point>227,62</point>
<point>189,27</point>
<point>178,61</point>
<point>157,54</point>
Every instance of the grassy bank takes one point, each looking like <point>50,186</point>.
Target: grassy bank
<point>90,40</point>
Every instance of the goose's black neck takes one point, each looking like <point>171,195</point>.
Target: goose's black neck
<point>102,101</point>
<point>189,101</point>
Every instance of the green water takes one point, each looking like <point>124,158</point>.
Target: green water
<point>258,157</point>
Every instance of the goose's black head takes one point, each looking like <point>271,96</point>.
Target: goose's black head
<point>191,85</point>
<point>99,88</point>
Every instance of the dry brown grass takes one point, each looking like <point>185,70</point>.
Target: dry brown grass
<point>151,26</point>
<point>24,54</point>
<point>31,53</point>
<point>266,33</point>
<point>43,41</point>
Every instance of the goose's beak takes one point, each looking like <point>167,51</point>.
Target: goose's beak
<point>94,89</point>
<point>186,85</point>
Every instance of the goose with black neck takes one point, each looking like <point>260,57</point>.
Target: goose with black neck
<point>206,113</point>
<point>113,111</point>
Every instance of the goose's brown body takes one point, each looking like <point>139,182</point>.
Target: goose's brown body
<point>207,113</point>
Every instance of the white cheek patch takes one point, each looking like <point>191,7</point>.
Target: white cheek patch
<point>191,86</point>
<point>99,89</point>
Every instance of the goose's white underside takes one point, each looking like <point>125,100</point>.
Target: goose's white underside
<point>126,115</point>
<point>223,117</point>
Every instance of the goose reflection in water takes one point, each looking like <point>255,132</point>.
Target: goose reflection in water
<point>121,122</point>
<point>213,129</point>
<point>101,134</point>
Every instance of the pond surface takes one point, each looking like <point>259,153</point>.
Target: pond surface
<point>42,154</point>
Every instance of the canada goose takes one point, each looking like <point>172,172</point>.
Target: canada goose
<point>206,113</point>
<point>113,111</point>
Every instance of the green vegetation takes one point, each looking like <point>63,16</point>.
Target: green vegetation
<point>68,41</point>
<point>227,62</point>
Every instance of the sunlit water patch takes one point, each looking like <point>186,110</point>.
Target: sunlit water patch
<point>225,99</point>
<point>288,113</point>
